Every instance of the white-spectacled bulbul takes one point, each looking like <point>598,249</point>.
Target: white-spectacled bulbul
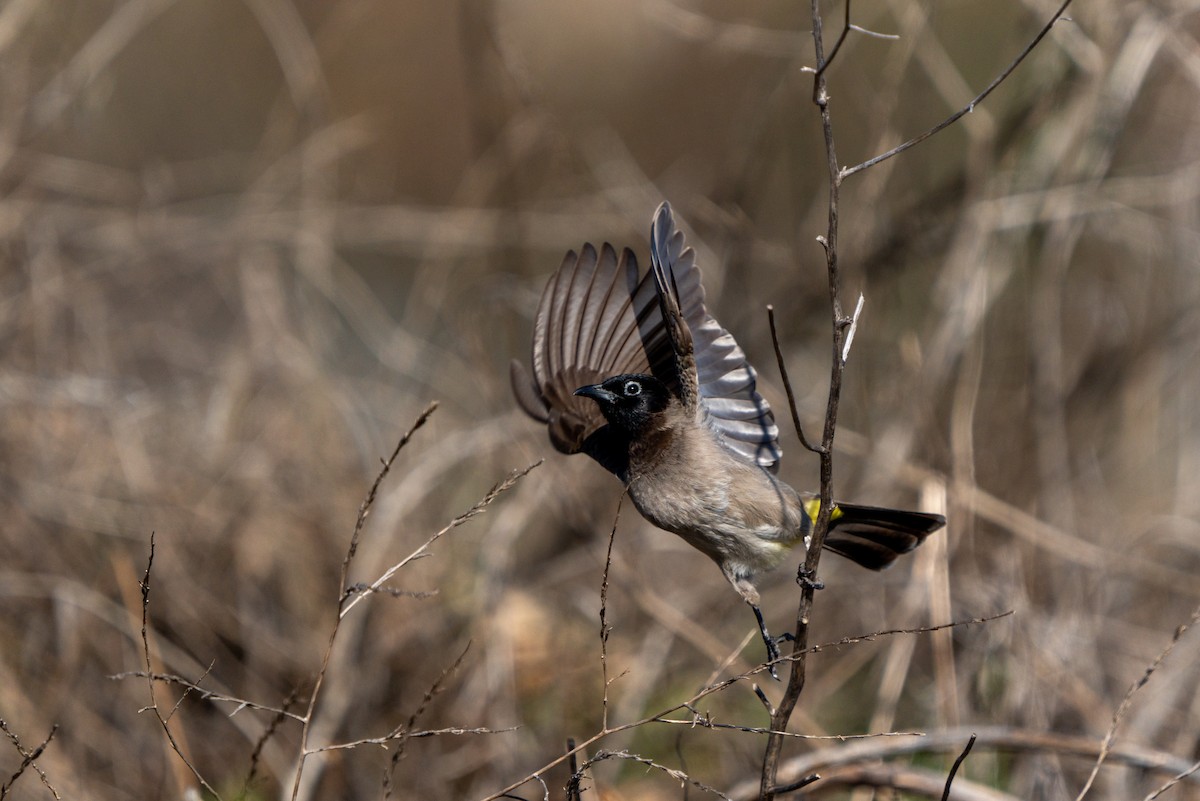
<point>633,371</point>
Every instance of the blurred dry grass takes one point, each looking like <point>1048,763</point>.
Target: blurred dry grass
<point>243,244</point>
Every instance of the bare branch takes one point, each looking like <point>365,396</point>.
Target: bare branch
<point>823,63</point>
<point>787,384</point>
<point>678,775</point>
<point>404,733</point>
<point>28,760</point>
<point>393,736</point>
<point>957,763</point>
<point>1123,708</point>
<point>267,734</point>
<point>364,509</point>
<point>605,629</point>
<point>153,707</point>
<point>1174,780</point>
<point>350,599</point>
<point>205,694</point>
<point>807,573</point>
<point>967,109</point>
<point>711,689</point>
<point>482,504</point>
<point>997,738</point>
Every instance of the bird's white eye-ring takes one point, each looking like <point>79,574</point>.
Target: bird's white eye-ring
<point>632,389</point>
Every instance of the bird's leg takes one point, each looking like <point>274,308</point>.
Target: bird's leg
<point>772,643</point>
<point>808,579</point>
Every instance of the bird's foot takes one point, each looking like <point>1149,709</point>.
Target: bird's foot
<point>808,579</point>
<point>773,655</point>
<point>772,643</point>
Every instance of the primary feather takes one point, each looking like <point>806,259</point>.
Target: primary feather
<point>599,318</point>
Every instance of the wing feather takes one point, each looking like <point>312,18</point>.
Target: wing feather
<point>598,318</point>
<point>735,411</point>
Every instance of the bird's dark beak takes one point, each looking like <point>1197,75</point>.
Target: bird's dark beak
<point>597,393</point>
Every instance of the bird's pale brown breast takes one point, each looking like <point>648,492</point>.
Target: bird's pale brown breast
<point>683,481</point>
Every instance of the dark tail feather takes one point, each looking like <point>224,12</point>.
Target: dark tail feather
<point>874,537</point>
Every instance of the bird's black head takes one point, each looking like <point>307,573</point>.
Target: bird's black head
<point>629,402</point>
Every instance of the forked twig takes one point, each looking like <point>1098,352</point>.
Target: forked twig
<point>419,553</point>
<point>404,733</point>
<point>205,694</point>
<point>573,789</point>
<point>843,330</point>
<point>967,109</point>
<point>364,508</point>
<point>153,706</point>
<point>1123,708</point>
<point>28,760</point>
<point>712,689</point>
<point>351,597</point>
<point>807,575</point>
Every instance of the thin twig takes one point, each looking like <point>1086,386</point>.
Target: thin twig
<point>394,736</point>
<point>267,734</point>
<point>205,694</point>
<point>787,383</point>
<point>153,707</point>
<point>1174,780</point>
<point>955,766</point>
<point>1123,708</point>
<point>480,505</point>
<point>705,721</point>
<point>405,733</point>
<point>28,760</point>
<point>823,65</point>
<point>364,508</point>
<point>712,689</point>
<point>797,785</point>
<point>605,629</point>
<point>965,110</point>
<point>573,789</point>
<point>350,599</point>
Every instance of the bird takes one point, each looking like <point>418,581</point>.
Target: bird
<point>633,371</point>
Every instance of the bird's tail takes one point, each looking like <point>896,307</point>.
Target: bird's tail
<point>873,536</point>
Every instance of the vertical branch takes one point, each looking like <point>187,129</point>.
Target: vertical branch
<point>843,334</point>
<point>808,571</point>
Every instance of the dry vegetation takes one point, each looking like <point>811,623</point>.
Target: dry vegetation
<point>244,245</point>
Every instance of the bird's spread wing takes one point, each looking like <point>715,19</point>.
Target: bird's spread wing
<point>713,370</point>
<point>598,318</point>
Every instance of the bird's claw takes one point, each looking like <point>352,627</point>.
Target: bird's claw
<point>808,579</point>
<point>772,643</point>
<point>773,655</point>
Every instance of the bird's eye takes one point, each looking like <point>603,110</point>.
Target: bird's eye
<point>632,389</point>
